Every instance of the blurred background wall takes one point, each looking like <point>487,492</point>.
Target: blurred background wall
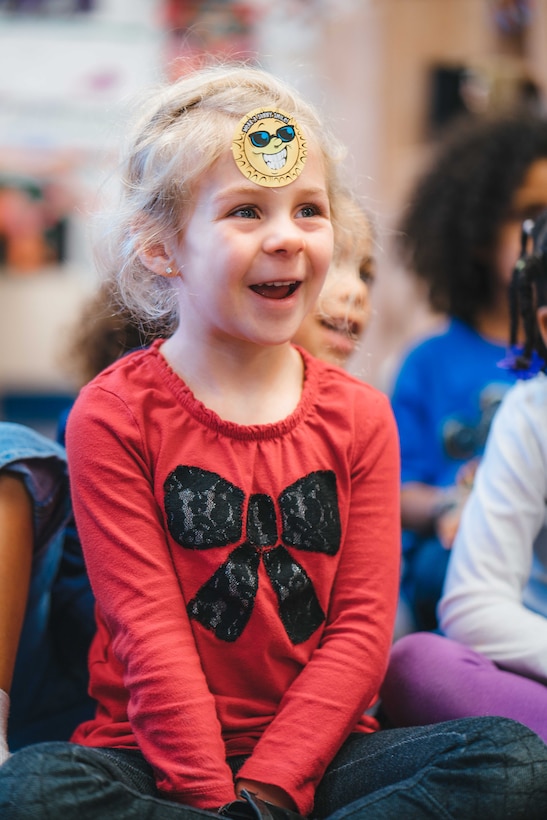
<point>389,75</point>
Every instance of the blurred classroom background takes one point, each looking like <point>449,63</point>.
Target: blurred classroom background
<point>388,74</point>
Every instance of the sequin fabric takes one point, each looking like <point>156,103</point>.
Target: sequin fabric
<point>205,511</point>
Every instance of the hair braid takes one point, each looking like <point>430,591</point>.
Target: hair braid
<point>528,292</point>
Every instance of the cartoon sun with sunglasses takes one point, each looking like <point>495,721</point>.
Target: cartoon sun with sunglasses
<point>269,148</point>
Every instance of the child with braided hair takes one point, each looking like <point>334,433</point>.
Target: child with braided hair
<point>491,657</point>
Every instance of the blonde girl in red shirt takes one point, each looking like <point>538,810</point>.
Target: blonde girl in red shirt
<point>237,502</point>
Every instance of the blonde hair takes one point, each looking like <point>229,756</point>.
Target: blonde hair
<point>183,127</point>
<point>353,230</point>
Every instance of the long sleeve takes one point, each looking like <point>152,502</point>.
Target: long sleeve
<point>495,596</point>
<point>170,708</point>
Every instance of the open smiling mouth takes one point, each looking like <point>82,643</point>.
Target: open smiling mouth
<point>276,290</point>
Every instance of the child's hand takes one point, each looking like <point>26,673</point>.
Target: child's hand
<point>465,476</point>
<point>265,791</point>
<point>448,515</point>
<point>249,806</point>
<point>447,526</point>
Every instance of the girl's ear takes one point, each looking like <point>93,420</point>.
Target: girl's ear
<point>157,259</point>
<point>541,316</point>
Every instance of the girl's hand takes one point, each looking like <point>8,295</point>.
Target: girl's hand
<point>267,792</point>
<point>448,512</point>
<point>447,526</point>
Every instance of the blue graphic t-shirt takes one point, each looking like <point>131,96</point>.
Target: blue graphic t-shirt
<point>445,395</point>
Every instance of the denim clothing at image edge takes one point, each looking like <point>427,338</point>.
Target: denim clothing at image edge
<point>486,768</point>
<point>49,690</point>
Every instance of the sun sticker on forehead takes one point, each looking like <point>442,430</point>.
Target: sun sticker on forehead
<point>269,148</point>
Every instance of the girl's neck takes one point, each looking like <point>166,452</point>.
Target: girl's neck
<point>244,384</point>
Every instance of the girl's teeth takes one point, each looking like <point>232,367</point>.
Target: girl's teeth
<point>275,290</point>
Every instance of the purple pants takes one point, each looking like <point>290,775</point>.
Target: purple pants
<point>431,678</point>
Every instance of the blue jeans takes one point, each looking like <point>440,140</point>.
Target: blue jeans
<point>49,690</point>
<point>486,768</point>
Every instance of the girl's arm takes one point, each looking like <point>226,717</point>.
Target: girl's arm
<point>170,709</point>
<point>16,546</point>
<point>427,509</point>
<point>492,557</point>
<point>327,700</point>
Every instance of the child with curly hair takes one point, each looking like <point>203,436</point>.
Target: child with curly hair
<point>460,236</point>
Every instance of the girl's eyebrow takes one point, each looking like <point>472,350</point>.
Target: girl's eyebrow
<point>252,191</point>
<point>237,191</point>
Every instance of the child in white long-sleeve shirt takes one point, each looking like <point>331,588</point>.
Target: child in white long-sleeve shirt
<point>492,658</point>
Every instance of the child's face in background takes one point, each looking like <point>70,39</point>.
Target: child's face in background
<point>333,329</point>
<point>529,200</point>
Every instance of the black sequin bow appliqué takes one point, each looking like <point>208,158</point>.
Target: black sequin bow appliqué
<point>205,511</point>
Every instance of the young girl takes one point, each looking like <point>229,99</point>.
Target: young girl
<point>57,700</point>
<point>495,596</point>
<point>460,236</point>
<point>237,501</point>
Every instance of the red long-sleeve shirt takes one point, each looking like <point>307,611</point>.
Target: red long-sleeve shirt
<point>246,577</point>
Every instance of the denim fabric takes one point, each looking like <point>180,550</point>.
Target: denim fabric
<point>49,689</point>
<point>485,768</point>
<point>71,782</point>
<point>488,768</point>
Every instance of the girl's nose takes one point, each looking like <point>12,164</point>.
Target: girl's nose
<point>350,291</point>
<point>283,236</point>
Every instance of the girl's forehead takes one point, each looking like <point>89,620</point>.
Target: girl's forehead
<point>224,174</point>
<point>269,147</point>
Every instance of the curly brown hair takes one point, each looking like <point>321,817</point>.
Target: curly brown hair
<point>449,232</point>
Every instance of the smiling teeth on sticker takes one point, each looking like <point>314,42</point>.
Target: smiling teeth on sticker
<point>275,161</point>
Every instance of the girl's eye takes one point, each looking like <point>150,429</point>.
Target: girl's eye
<point>308,210</point>
<point>366,274</point>
<point>247,212</point>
